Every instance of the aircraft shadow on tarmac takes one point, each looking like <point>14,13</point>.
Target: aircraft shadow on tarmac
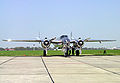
<point>64,56</point>
<point>75,55</point>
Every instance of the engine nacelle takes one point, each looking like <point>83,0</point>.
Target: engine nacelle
<point>45,43</point>
<point>80,43</point>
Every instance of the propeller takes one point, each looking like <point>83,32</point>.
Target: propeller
<point>87,39</point>
<point>9,40</point>
<point>46,43</point>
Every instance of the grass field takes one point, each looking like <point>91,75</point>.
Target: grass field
<point>29,53</point>
<point>52,52</point>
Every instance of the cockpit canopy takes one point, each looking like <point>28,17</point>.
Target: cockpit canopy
<point>63,36</point>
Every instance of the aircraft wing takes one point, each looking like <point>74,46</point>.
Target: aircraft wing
<point>9,40</point>
<point>56,41</point>
<point>53,41</point>
<point>98,40</point>
<point>72,41</point>
<point>90,40</point>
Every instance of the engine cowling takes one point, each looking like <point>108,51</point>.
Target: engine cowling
<point>46,44</point>
<point>80,43</point>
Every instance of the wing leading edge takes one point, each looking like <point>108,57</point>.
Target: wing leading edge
<point>99,40</point>
<point>9,40</point>
<point>53,41</point>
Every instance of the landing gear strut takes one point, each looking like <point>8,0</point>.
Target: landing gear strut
<point>77,52</point>
<point>73,49</point>
<point>66,53</point>
<point>44,53</point>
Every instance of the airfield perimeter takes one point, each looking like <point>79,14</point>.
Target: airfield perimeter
<point>58,69</point>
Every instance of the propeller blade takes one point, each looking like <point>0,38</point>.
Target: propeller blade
<point>53,38</point>
<point>87,39</point>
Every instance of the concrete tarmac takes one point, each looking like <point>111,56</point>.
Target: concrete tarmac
<point>57,69</point>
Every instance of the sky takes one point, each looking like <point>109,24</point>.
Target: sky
<point>24,19</point>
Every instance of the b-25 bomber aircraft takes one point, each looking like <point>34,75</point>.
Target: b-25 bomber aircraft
<point>64,42</point>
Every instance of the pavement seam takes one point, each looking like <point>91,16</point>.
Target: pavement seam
<point>7,60</point>
<point>47,70</point>
<point>110,60</point>
<point>96,66</point>
<point>107,59</point>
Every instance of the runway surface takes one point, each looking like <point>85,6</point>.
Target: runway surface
<point>57,69</point>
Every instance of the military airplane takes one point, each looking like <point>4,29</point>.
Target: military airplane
<point>64,42</point>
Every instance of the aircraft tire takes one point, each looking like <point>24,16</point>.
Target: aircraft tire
<point>73,49</point>
<point>77,52</point>
<point>44,53</point>
<point>69,52</point>
<point>66,53</point>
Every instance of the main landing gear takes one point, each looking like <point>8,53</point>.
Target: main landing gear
<point>77,52</point>
<point>73,49</point>
<point>66,53</point>
<point>44,53</point>
<point>73,52</point>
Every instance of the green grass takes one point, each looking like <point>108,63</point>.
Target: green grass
<point>52,52</point>
<point>100,52</point>
<point>29,53</point>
